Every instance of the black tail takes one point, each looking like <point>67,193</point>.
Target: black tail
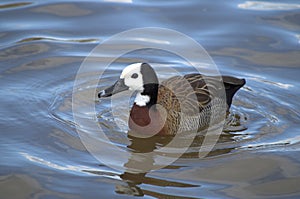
<point>232,85</point>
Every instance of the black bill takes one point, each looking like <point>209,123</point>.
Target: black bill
<point>119,86</point>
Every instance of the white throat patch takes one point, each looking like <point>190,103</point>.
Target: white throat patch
<point>141,100</point>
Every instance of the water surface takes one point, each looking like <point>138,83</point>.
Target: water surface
<point>42,45</point>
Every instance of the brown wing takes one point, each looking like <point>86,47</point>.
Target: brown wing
<point>188,94</point>
<point>192,93</point>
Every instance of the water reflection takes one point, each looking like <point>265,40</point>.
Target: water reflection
<point>88,40</point>
<point>24,186</point>
<point>18,52</point>
<point>262,6</point>
<point>44,42</point>
<point>276,59</point>
<point>134,179</point>
<point>269,173</point>
<point>138,163</point>
<point>60,10</point>
<point>14,5</point>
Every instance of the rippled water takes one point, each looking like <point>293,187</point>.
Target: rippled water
<point>43,44</point>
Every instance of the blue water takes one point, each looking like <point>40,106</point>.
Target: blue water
<point>42,46</point>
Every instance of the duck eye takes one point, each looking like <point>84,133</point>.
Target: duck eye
<point>134,75</point>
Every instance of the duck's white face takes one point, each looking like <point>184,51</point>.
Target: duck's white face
<point>139,77</point>
<point>133,77</point>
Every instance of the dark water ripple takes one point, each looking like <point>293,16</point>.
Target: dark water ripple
<point>42,45</point>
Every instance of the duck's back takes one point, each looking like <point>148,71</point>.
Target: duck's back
<point>194,98</point>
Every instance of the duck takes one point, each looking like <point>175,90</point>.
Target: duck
<point>181,103</point>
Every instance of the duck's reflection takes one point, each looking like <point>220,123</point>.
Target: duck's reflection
<point>143,159</point>
<point>141,162</point>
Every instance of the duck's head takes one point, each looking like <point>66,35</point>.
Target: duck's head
<point>138,77</point>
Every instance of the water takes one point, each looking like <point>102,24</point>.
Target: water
<point>43,44</point>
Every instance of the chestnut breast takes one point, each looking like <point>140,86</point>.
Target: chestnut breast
<point>148,121</point>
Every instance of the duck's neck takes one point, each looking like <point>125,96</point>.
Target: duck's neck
<point>148,97</point>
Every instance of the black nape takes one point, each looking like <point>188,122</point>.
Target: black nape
<point>150,82</point>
